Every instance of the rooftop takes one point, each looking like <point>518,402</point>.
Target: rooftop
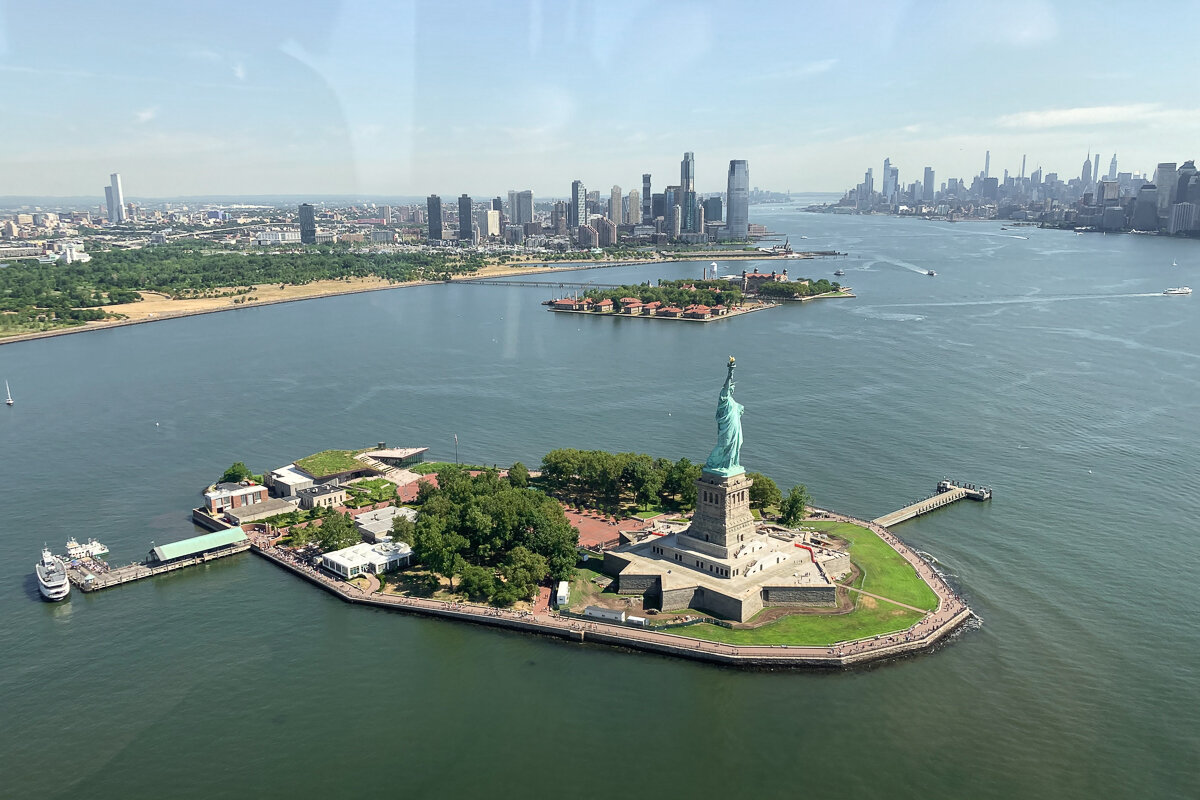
<point>198,544</point>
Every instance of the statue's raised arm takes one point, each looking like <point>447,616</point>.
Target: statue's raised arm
<point>724,458</point>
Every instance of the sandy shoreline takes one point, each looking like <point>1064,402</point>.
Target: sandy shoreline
<point>155,307</point>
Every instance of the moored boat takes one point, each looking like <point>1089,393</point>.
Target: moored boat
<point>52,576</point>
<point>77,550</point>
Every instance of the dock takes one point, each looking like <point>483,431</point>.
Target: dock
<point>948,491</point>
<point>92,575</point>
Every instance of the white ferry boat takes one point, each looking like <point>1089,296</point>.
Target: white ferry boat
<point>931,273</point>
<point>1178,290</point>
<point>91,549</point>
<point>52,576</point>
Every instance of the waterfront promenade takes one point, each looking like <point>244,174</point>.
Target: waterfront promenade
<point>950,613</point>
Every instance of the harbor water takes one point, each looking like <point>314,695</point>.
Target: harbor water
<point>1046,365</point>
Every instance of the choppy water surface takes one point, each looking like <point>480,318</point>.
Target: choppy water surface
<point>1049,367</point>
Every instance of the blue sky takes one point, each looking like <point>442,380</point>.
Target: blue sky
<point>409,98</point>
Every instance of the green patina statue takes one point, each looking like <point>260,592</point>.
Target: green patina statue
<point>723,460</point>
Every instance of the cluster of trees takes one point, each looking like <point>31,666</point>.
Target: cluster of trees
<point>709,293</point>
<point>114,276</point>
<point>794,289</point>
<point>335,531</point>
<point>497,540</point>
<point>600,478</point>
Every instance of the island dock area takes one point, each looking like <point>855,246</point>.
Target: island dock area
<point>950,613</point>
<point>948,492</point>
<point>92,575</point>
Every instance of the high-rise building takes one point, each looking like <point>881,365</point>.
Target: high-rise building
<point>465,233</point>
<point>928,194</point>
<point>521,207</point>
<point>691,213</point>
<point>577,210</point>
<point>889,188</point>
<point>687,172</point>
<point>658,206</point>
<point>606,231</point>
<point>118,196</point>
<point>308,224</point>
<point>712,209</point>
<point>1096,168</point>
<point>987,163</point>
<point>635,207</point>
<point>675,221</point>
<point>1112,168</point>
<point>558,218</point>
<point>434,206</point>
<point>737,214</point>
<point>1085,176</point>
<point>1165,179</point>
<point>647,198</point>
<point>614,205</point>
<point>387,215</point>
<point>108,202</point>
<point>1145,209</point>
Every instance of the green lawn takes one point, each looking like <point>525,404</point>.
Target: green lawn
<point>885,573</point>
<point>328,462</point>
<point>426,467</point>
<point>867,619</point>
<point>376,490</point>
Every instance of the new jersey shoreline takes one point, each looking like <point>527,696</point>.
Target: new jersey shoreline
<point>333,291</point>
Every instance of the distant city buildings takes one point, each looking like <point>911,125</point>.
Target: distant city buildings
<point>465,227</point>
<point>308,224</point>
<point>115,199</point>
<point>577,210</point>
<point>434,210</point>
<point>737,195</point>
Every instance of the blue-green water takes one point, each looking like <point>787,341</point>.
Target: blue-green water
<point>1049,367</point>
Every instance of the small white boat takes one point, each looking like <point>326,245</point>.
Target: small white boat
<point>931,273</point>
<point>839,272</point>
<point>1174,263</point>
<point>1178,290</point>
<point>8,401</point>
<point>52,576</point>
<point>90,550</point>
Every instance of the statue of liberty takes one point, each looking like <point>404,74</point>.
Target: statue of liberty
<point>723,460</point>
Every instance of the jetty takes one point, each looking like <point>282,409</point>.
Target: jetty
<point>948,491</point>
<point>92,575</point>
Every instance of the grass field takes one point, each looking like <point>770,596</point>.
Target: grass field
<point>427,467</point>
<point>328,462</point>
<point>884,573</point>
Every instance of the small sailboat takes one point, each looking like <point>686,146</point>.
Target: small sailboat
<point>1174,263</point>
<point>8,401</point>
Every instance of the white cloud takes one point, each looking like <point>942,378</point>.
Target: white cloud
<point>1088,115</point>
<point>145,115</point>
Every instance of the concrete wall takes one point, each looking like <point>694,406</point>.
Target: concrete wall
<point>799,595</point>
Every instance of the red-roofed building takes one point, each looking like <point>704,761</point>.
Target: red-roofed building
<point>670,311</point>
<point>604,305</point>
<point>631,306</point>
<point>719,311</point>
<point>697,311</point>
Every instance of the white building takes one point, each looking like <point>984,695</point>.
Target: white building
<point>288,480</point>
<point>376,526</point>
<point>268,238</point>
<point>367,559</point>
<point>562,596</point>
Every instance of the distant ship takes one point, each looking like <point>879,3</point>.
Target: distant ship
<point>1174,263</point>
<point>8,395</point>
<point>1178,290</point>
<point>931,273</point>
<point>839,272</point>
<point>52,576</point>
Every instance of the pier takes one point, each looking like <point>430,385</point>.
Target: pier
<point>948,492</point>
<point>537,284</point>
<point>87,580</point>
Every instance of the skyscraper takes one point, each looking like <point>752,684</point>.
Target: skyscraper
<point>1096,168</point>
<point>1165,180</point>
<point>712,209</point>
<point>1112,168</point>
<point>928,192</point>
<point>577,210</point>
<point>464,219</point>
<point>635,207</point>
<point>1085,177</point>
<point>308,224</point>
<point>687,172</point>
<point>521,207</point>
<point>987,163</point>
<point>647,198</point>
<point>108,202</point>
<point>888,188</point>
<point>614,205</point>
<point>737,213</point>
<point>1022,168</point>
<point>115,198</point>
<point>434,206</point>
<point>387,215</point>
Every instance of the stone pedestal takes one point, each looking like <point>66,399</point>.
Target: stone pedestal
<point>722,523</point>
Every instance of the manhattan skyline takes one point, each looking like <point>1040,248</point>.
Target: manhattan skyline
<point>417,98</point>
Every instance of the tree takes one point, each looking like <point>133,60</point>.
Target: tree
<point>518,476</point>
<point>337,531</point>
<point>641,477</point>
<point>477,583</point>
<point>236,473</point>
<point>523,570</point>
<point>792,509</point>
<point>403,530</point>
<point>764,492</point>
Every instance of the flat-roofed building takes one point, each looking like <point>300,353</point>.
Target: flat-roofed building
<point>323,495</point>
<point>288,480</point>
<point>224,496</point>
<point>376,526</point>
<point>366,559</point>
<point>198,544</point>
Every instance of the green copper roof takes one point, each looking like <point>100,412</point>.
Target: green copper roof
<point>198,544</point>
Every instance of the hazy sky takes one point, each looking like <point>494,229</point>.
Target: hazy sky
<point>409,98</point>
